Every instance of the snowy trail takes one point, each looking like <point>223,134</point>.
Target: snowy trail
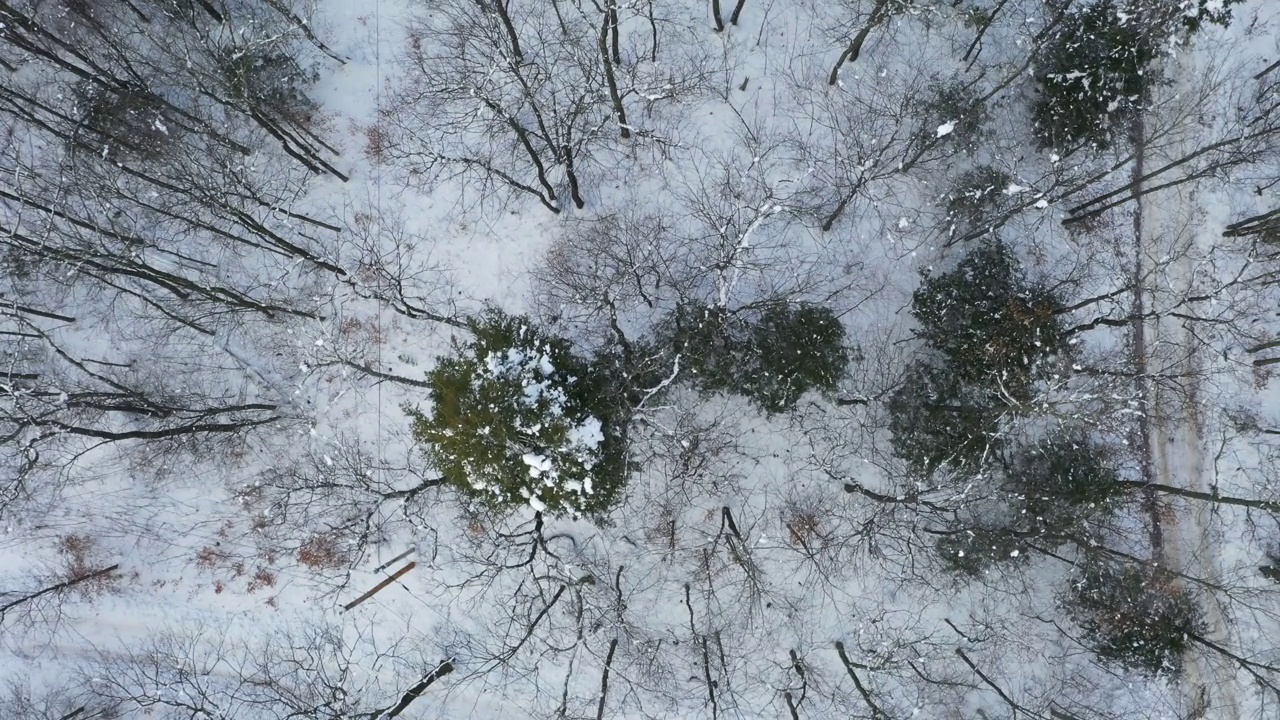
<point>1188,540</point>
<point>1166,230</point>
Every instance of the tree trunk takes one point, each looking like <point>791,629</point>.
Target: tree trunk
<point>572,176</point>
<point>618,111</point>
<point>510,28</point>
<point>851,53</point>
<point>57,588</point>
<point>613,29</point>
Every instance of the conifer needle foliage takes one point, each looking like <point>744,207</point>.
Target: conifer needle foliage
<point>773,358</point>
<point>1134,617</point>
<point>518,419</point>
<point>1093,76</point>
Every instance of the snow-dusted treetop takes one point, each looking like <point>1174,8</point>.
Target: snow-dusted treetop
<point>518,419</point>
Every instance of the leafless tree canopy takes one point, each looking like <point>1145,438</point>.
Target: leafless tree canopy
<point>1014,263</point>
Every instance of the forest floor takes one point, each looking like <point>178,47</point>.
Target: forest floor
<point>1171,224</point>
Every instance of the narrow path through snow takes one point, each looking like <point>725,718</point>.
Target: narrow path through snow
<point>1168,240</point>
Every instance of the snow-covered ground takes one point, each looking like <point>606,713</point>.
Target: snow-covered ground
<point>759,565</point>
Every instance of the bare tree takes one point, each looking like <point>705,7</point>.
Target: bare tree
<point>478,103</point>
<point>302,670</point>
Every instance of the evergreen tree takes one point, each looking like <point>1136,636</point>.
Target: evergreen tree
<point>976,195</point>
<point>1137,618</point>
<point>1050,489</point>
<point>1063,480</point>
<point>518,419</point>
<point>790,349</point>
<point>973,551</point>
<point>123,122</point>
<point>713,345</point>
<point>936,419</point>
<point>796,347</point>
<point>1195,13</point>
<point>271,82</point>
<point>994,327</point>
<point>990,334</point>
<point>958,107</point>
<point>1093,75</point>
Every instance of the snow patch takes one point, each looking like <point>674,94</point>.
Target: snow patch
<point>588,435</point>
<point>538,464</point>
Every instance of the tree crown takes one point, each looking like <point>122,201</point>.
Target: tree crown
<point>519,419</point>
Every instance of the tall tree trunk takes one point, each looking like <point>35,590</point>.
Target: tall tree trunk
<point>572,176</point>
<point>851,53</point>
<point>613,30</point>
<point>618,111</point>
<point>505,17</point>
<point>653,31</point>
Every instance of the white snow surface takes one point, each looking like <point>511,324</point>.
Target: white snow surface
<point>690,619</point>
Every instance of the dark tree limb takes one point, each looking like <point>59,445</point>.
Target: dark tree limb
<point>852,52</point>
<point>977,40</point>
<point>1253,668</point>
<point>1142,177</point>
<point>706,674</point>
<point>67,585</point>
<point>619,111</point>
<point>830,220</point>
<point>1253,224</point>
<point>416,691</point>
<point>1091,300</point>
<point>793,704</point>
<point>604,678</point>
<point>305,27</point>
<point>706,655</point>
<point>194,428</point>
<point>399,379</point>
<point>505,17</point>
<point>1154,188</point>
<point>991,684</point>
<point>727,517</point>
<point>1267,70</point>
<point>210,9</point>
<point>653,31</point>
<point>876,712</point>
<point>536,621</point>
<point>6,304</point>
<point>613,30</point>
<point>1268,505</point>
<point>575,192</point>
